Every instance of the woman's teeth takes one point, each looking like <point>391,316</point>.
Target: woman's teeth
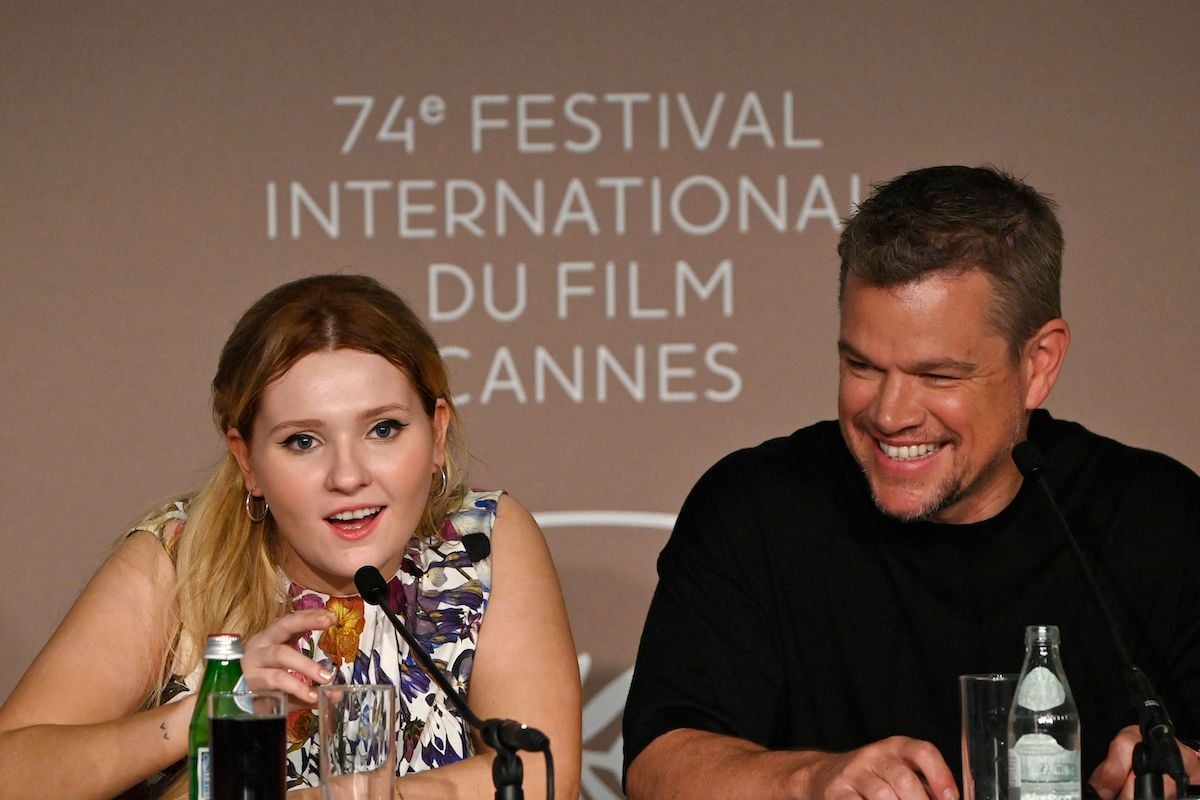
<point>907,452</point>
<point>361,513</point>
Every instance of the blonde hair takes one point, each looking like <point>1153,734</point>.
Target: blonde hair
<point>225,564</point>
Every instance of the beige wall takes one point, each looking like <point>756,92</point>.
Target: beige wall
<point>142,142</point>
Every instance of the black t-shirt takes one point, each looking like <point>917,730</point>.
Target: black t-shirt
<point>792,613</point>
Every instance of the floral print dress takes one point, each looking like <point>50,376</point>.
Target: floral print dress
<point>440,594</point>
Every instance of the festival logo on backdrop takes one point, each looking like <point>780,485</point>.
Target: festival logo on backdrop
<point>627,171</point>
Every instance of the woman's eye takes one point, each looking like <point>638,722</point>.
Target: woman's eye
<point>386,429</point>
<point>300,441</point>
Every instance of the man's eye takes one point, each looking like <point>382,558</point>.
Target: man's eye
<point>386,429</point>
<point>300,441</point>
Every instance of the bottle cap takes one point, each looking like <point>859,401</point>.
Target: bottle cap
<point>1042,633</point>
<point>223,647</point>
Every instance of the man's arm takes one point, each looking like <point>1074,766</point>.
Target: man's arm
<point>707,658</point>
<point>689,763</point>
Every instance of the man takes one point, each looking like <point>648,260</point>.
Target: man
<point>821,593</point>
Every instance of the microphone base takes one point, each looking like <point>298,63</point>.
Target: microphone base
<point>1148,786</point>
<point>1148,781</point>
<point>507,775</point>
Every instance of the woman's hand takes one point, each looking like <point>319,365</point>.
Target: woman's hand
<point>271,660</point>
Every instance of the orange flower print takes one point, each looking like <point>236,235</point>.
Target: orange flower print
<point>340,640</point>
<point>301,725</point>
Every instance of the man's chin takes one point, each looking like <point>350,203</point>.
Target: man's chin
<point>909,506</point>
<point>905,513</point>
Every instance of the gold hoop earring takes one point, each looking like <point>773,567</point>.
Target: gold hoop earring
<point>266,508</point>
<point>444,487</point>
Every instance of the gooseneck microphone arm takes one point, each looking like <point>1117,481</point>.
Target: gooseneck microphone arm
<point>504,735</point>
<point>1157,754</point>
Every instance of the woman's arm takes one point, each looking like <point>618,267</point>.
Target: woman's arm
<point>525,668</point>
<point>72,726</point>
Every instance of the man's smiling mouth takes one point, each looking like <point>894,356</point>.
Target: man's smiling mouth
<point>908,452</point>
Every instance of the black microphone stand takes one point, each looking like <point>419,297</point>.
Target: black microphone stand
<point>505,736</point>
<point>507,772</point>
<point>1157,753</point>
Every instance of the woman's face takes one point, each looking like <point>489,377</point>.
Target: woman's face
<point>344,453</point>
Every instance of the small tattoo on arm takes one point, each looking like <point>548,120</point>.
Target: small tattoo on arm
<point>163,728</point>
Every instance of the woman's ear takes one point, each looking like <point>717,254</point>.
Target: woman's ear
<point>441,424</point>
<point>240,451</point>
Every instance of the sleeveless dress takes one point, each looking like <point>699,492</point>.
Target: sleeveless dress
<point>440,595</point>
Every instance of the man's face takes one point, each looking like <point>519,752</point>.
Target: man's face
<point>929,401</point>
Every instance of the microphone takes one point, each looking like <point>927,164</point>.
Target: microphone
<point>371,586</point>
<point>477,545</point>
<point>1161,754</point>
<point>505,735</point>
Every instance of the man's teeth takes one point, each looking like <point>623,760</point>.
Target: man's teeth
<point>346,516</point>
<point>907,452</point>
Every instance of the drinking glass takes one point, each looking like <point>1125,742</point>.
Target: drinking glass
<point>248,745</point>
<point>357,729</point>
<point>985,702</point>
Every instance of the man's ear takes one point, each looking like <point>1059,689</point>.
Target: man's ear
<point>241,453</point>
<point>1042,359</point>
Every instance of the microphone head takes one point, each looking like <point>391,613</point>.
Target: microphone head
<point>371,585</point>
<point>1029,459</point>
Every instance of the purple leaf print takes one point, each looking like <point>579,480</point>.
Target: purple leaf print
<point>398,597</point>
<point>361,672</point>
<point>381,677</point>
<point>413,680</point>
<point>436,754</point>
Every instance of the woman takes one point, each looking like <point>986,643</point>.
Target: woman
<point>344,450</point>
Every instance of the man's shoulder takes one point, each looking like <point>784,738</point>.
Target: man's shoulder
<point>811,446</point>
<point>1073,453</point>
<point>805,482</point>
<point>813,458</point>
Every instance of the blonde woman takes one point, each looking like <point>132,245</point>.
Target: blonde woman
<point>344,450</point>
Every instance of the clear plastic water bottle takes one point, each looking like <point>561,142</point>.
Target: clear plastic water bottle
<point>1043,725</point>
<point>222,673</point>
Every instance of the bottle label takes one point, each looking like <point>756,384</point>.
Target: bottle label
<point>1041,690</point>
<point>1042,768</point>
<point>243,703</point>
<point>203,775</point>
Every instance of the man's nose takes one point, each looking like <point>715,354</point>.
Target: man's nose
<point>897,405</point>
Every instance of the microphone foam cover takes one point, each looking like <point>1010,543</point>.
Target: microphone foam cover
<point>371,585</point>
<point>1029,459</point>
<point>478,546</point>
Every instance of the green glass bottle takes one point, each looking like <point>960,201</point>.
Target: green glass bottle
<point>222,673</point>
